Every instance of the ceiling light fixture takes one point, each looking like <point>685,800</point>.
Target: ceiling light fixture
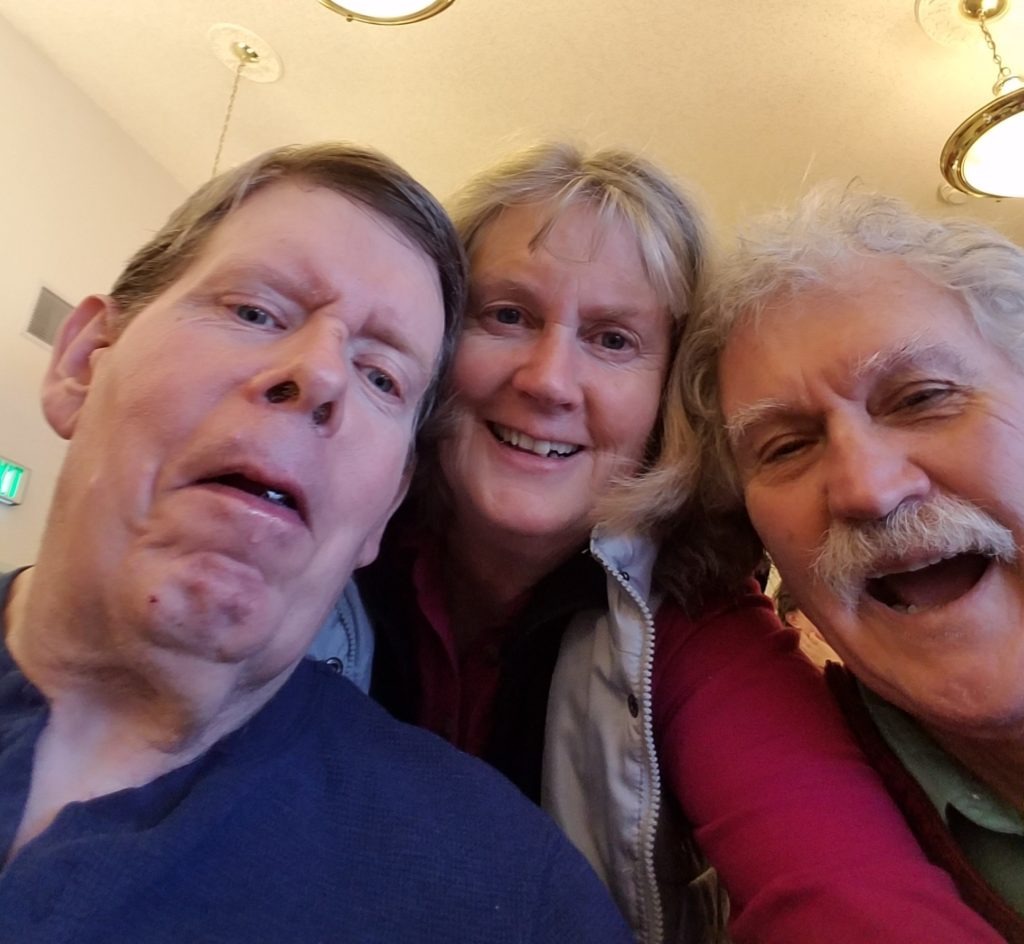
<point>247,56</point>
<point>985,155</point>
<point>388,12</point>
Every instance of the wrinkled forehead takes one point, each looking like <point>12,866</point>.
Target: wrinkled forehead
<point>827,290</point>
<point>850,336</point>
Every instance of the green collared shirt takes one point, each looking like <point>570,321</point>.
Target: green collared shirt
<point>989,830</point>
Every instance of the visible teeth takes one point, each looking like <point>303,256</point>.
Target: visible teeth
<point>924,564</point>
<point>542,447</point>
<point>278,498</point>
<point>245,484</point>
<point>909,568</point>
<point>900,608</point>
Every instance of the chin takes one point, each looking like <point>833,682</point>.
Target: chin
<point>957,703</point>
<point>207,605</point>
<point>981,712</point>
<point>543,528</point>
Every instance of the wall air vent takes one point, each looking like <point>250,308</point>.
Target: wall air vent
<point>47,316</point>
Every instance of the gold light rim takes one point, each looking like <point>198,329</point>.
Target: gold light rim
<point>428,11</point>
<point>969,133</point>
<point>972,9</point>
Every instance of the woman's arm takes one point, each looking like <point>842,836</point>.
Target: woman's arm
<point>806,840</point>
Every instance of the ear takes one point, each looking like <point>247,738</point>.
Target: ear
<point>371,545</point>
<point>85,334</point>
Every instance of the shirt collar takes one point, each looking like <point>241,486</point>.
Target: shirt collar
<point>946,782</point>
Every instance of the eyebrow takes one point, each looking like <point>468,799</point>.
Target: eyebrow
<point>754,415</point>
<point>522,290</point>
<point>504,286</point>
<point>916,353</point>
<point>913,354</point>
<point>305,284</point>
<point>309,288</point>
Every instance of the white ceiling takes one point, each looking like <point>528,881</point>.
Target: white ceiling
<point>751,100</point>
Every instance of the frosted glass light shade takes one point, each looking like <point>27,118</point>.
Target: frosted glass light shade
<point>985,155</point>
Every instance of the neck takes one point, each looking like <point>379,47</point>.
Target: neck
<point>999,763</point>
<point>487,579</point>
<point>121,715</point>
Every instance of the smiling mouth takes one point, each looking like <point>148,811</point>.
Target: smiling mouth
<point>269,493</point>
<point>546,448</point>
<point>929,586</point>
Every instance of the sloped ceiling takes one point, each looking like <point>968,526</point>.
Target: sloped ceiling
<point>751,100</point>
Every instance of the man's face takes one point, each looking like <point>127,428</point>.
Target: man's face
<point>238,450</point>
<point>872,403</point>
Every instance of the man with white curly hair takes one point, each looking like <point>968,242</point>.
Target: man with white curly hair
<point>856,381</point>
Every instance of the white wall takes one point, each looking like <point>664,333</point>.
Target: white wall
<point>77,197</point>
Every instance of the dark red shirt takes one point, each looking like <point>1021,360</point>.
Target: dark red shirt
<point>457,693</point>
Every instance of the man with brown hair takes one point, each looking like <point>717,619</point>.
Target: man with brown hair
<point>240,415</point>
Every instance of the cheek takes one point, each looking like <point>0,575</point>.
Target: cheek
<point>474,370</point>
<point>137,418</point>
<point>364,495</point>
<point>163,386</point>
<point>784,536</point>
<point>995,485</point>
<point>381,469</point>
<point>623,421</point>
<point>452,451</point>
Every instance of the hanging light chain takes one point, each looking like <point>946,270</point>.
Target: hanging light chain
<point>246,56</point>
<point>1004,70</point>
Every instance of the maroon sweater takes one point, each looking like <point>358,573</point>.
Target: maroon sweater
<point>933,834</point>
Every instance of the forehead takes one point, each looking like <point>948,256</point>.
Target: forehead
<point>576,232</point>
<point>342,231</point>
<point>874,320</point>
<point>545,253</point>
<point>320,246</point>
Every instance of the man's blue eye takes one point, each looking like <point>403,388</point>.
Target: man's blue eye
<point>252,314</point>
<point>382,381</point>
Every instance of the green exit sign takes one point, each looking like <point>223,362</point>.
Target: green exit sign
<point>13,479</point>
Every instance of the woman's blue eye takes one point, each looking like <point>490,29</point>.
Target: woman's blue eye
<point>253,314</point>
<point>613,340</point>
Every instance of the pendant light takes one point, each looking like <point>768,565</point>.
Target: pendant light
<point>984,156</point>
<point>388,12</point>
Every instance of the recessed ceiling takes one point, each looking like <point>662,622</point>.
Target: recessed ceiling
<point>751,100</point>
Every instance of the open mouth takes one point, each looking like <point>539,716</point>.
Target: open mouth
<point>271,493</point>
<point>931,585</point>
<point>547,448</point>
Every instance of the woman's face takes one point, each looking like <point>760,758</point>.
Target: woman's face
<point>558,375</point>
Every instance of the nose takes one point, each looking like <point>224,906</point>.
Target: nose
<point>549,372</point>
<point>870,474</point>
<point>307,374</point>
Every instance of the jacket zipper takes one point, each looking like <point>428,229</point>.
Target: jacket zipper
<point>651,902</point>
<point>350,634</point>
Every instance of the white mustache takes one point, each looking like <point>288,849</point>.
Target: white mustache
<point>941,527</point>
